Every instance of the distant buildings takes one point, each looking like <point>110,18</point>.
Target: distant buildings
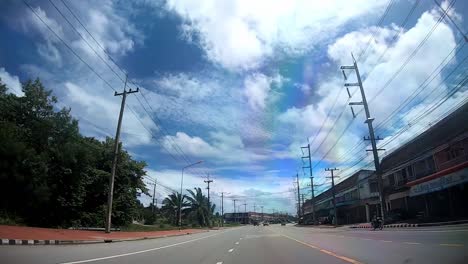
<point>425,178</point>
<point>250,217</point>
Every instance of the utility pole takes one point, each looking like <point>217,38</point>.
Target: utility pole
<point>222,208</point>
<point>369,121</point>
<point>235,215</point>
<point>311,181</point>
<point>298,197</point>
<point>302,211</point>
<point>262,211</point>
<point>154,196</point>
<point>335,217</point>
<point>246,217</point>
<point>110,195</point>
<point>208,181</point>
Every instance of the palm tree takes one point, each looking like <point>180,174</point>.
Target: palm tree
<point>199,206</point>
<point>171,206</point>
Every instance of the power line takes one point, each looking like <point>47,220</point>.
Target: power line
<point>397,34</point>
<point>382,18</point>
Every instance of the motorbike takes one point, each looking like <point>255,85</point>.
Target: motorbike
<point>377,223</point>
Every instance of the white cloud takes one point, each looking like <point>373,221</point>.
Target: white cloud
<point>257,88</point>
<point>188,87</point>
<point>307,120</point>
<point>242,34</point>
<point>222,149</point>
<point>104,114</point>
<point>12,82</point>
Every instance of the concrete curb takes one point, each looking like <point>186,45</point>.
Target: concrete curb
<point>415,225</point>
<point>387,226</point>
<point>30,242</point>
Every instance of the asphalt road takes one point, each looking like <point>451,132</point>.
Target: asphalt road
<point>273,244</point>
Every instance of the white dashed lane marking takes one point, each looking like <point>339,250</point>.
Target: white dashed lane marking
<point>237,243</point>
<point>231,250</point>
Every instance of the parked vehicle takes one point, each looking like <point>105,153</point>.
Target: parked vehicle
<point>283,223</point>
<point>266,224</point>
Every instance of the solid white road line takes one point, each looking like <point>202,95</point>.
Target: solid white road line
<point>142,251</point>
<point>231,250</point>
<point>411,243</point>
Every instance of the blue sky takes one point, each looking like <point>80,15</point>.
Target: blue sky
<point>241,85</point>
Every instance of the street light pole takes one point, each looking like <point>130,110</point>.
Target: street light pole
<point>181,186</point>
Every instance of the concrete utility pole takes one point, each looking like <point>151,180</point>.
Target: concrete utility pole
<point>335,218</point>
<point>208,181</point>
<point>235,215</point>
<point>302,211</point>
<point>110,195</point>
<point>245,214</point>
<point>298,197</point>
<point>369,121</point>
<point>154,196</point>
<point>222,208</point>
<point>311,181</point>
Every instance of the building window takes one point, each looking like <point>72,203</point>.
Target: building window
<point>424,167</point>
<point>430,165</point>
<point>410,173</point>
<point>420,168</point>
<point>391,179</point>
<point>374,187</point>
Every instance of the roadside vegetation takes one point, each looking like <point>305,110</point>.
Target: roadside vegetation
<point>52,176</point>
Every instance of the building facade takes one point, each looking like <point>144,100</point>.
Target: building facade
<point>356,200</point>
<point>426,178</point>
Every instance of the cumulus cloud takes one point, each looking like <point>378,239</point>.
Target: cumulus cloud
<point>188,87</point>
<point>100,112</point>
<point>309,118</point>
<point>257,88</point>
<point>222,149</point>
<point>242,34</point>
<point>11,81</point>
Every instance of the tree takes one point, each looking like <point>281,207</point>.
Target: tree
<point>171,207</point>
<point>199,207</point>
<point>54,176</point>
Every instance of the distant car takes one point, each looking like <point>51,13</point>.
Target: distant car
<point>256,223</point>
<point>283,223</point>
<point>266,224</point>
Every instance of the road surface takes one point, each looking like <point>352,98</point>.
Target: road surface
<point>271,244</point>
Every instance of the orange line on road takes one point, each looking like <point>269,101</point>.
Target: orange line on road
<point>350,260</point>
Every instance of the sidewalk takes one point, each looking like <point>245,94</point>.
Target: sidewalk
<point>399,225</point>
<point>14,235</point>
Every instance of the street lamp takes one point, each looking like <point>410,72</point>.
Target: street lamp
<point>181,185</point>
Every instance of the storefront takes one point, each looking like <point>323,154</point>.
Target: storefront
<point>442,194</point>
